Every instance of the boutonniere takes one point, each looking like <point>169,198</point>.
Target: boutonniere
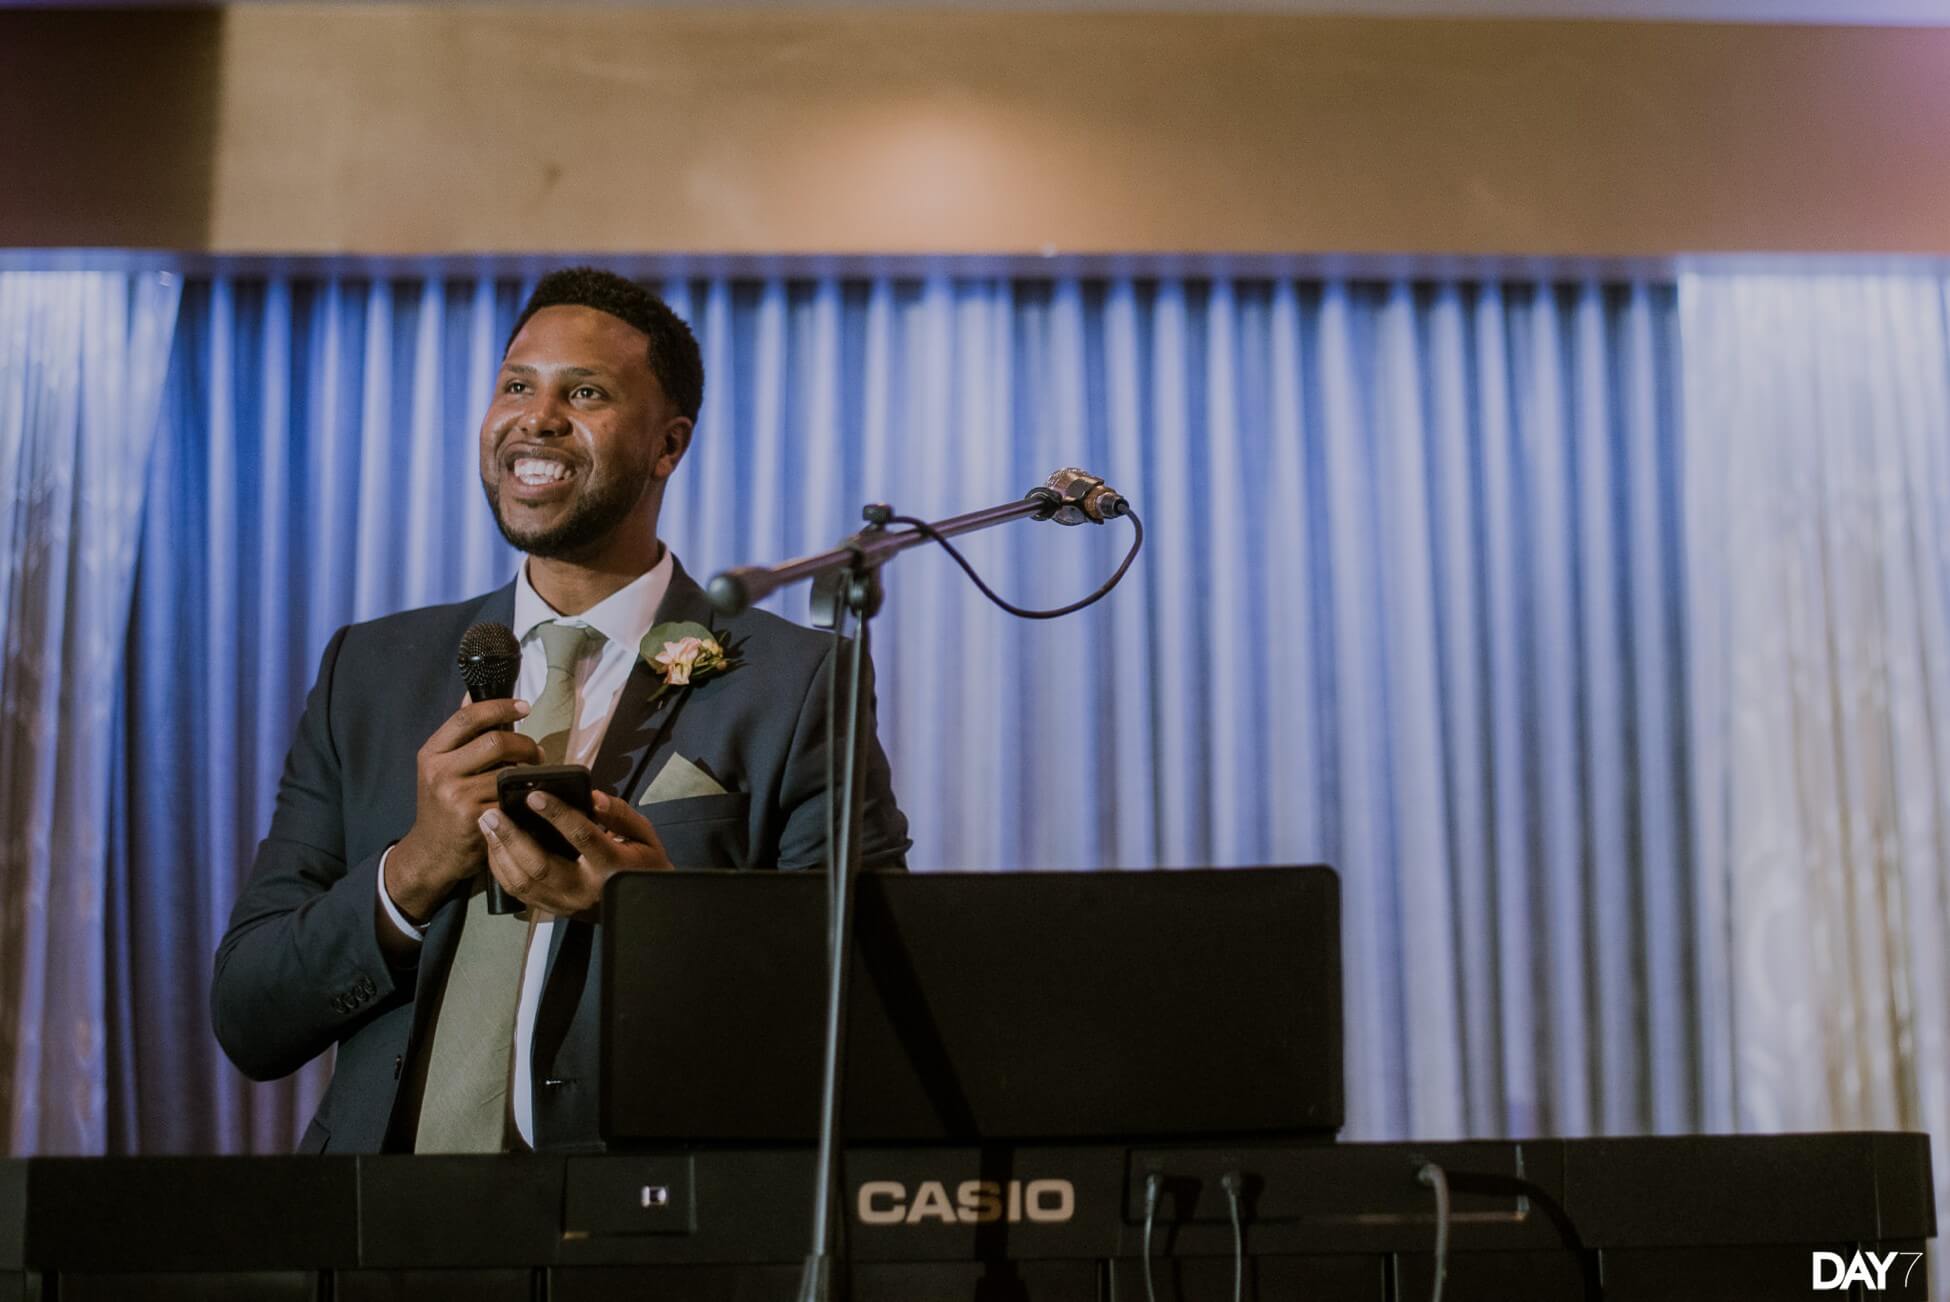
<point>684,654</point>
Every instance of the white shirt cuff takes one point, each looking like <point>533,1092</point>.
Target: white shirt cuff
<point>406,927</point>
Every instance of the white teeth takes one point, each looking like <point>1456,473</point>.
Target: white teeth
<point>535,470</point>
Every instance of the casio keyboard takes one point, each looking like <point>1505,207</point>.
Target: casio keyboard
<point>1714,1218</point>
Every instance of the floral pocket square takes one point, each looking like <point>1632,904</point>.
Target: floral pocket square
<point>679,779</point>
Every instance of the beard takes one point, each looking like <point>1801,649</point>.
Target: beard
<point>591,519</point>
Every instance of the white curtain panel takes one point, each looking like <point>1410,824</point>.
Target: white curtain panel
<point>1818,554</point>
<point>82,360</point>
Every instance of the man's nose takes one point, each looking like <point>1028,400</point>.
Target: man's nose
<point>545,416</point>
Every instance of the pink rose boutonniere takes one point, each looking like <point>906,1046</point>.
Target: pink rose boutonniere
<point>684,654</point>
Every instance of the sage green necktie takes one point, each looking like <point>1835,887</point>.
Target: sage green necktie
<point>464,1108</point>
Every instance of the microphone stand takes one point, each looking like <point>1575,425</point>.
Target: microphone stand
<point>846,580</point>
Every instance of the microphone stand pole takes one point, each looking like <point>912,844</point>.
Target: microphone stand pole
<point>847,581</point>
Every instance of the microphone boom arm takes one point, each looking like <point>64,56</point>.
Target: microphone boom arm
<point>1084,496</point>
<point>735,590</point>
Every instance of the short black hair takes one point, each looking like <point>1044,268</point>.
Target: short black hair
<point>674,357</point>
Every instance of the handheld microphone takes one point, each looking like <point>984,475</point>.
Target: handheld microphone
<point>490,662</point>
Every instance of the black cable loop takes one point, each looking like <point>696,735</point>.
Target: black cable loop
<point>928,531</point>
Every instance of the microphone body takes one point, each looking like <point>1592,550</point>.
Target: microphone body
<point>1083,496</point>
<point>490,662</point>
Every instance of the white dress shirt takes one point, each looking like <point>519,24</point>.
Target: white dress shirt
<point>622,618</point>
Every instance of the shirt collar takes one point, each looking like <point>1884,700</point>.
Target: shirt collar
<point>623,617</point>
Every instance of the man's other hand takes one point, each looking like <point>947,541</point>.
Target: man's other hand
<point>456,785</point>
<point>618,839</point>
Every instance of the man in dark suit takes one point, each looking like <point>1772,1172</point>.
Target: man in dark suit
<point>363,923</point>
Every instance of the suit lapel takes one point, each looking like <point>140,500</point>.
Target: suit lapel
<point>636,733</point>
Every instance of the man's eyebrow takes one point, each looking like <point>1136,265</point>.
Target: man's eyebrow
<point>577,372</point>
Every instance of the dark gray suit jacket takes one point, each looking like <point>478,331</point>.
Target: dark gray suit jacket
<point>300,968</point>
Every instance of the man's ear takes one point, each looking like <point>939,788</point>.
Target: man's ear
<point>676,441</point>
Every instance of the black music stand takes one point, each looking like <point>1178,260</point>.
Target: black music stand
<point>983,1007</point>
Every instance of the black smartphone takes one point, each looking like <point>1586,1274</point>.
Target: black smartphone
<point>568,783</point>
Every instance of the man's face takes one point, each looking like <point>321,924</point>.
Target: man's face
<point>578,434</point>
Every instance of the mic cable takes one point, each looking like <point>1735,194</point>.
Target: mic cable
<point>1070,496</point>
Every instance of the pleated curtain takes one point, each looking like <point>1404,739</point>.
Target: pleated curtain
<point>82,357</point>
<point>1409,606</point>
<point>1818,508</point>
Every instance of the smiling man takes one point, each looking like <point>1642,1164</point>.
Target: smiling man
<point>364,924</point>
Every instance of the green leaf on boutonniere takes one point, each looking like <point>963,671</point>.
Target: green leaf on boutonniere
<point>683,653</point>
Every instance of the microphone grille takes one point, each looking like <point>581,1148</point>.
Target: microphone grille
<point>490,661</point>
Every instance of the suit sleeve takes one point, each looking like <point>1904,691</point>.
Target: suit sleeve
<point>883,828</point>
<point>300,965</point>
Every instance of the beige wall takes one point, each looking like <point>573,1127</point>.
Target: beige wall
<point>419,128</point>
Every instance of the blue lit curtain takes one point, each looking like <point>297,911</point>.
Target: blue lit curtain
<point>1818,408</point>
<point>1410,606</point>
<point>81,370</point>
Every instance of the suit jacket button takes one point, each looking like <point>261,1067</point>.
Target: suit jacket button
<point>399,1059</point>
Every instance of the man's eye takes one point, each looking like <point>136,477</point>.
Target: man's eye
<point>586,391</point>
<point>515,386</point>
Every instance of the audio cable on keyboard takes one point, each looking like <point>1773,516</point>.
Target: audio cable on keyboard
<point>1154,1183</point>
<point>1235,1184</point>
<point>1434,1177</point>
